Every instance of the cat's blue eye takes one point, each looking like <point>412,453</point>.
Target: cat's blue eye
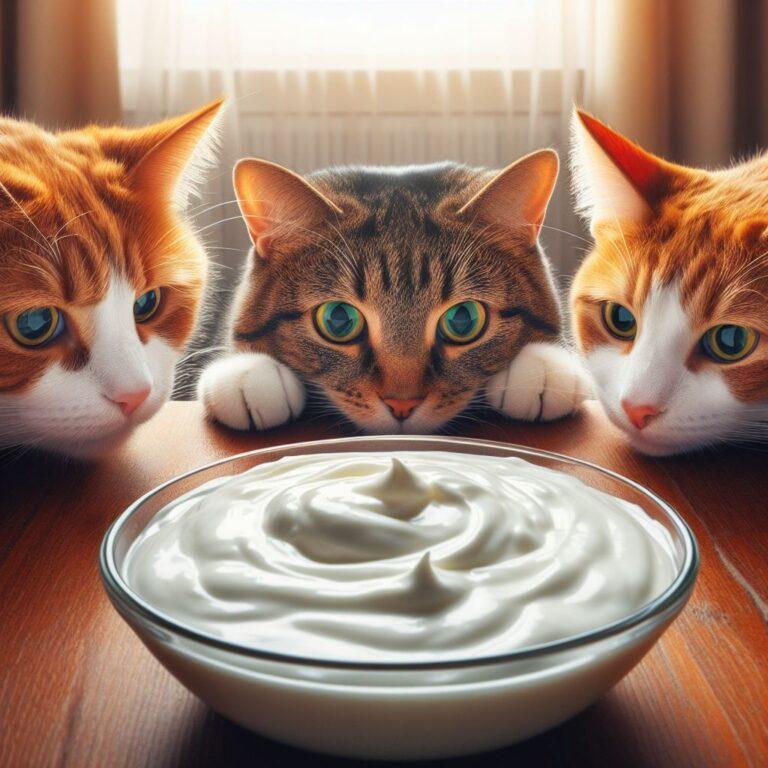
<point>619,321</point>
<point>146,305</point>
<point>339,322</point>
<point>729,343</point>
<point>462,323</point>
<point>35,327</point>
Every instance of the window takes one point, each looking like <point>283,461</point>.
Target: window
<point>314,83</point>
<point>354,34</point>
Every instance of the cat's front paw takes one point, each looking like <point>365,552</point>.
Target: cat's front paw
<point>543,382</point>
<point>251,389</point>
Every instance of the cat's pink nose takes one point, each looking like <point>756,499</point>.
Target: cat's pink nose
<point>640,415</point>
<point>401,409</point>
<point>130,401</point>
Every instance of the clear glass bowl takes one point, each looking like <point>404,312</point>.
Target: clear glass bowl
<point>399,710</point>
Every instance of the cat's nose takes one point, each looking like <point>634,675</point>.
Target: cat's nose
<point>401,409</point>
<point>640,415</point>
<point>130,401</point>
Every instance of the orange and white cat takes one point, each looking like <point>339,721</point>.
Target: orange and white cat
<point>670,309</point>
<point>100,277</point>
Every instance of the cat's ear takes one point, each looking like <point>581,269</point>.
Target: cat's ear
<point>614,179</point>
<point>166,159</point>
<point>753,232</point>
<point>517,197</point>
<point>278,204</point>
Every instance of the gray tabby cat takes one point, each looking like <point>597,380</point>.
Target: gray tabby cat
<point>402,295</point>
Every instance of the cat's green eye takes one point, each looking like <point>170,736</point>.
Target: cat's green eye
<point>619,321</point>
<point>729,343</point>
<point>339,322</point>
<point>35,327</point>
<point>146,305</point>
<point>462,323</point>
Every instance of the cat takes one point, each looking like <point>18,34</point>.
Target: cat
<point>401,295</point>
<point>100,277</point>
<point>670,308</point>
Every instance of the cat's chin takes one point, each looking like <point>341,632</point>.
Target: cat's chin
<point>657,446</point>
<point>650,444</point>
<point>92,448</point>
<point>100,445</point>
<point>394,427</point>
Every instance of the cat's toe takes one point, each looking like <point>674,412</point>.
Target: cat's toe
<point>250,389</point>
<point>273,393</point>
<point>543,382</point>
<point>566,386</point>
<point>517,390</point>
<point>219,389</point>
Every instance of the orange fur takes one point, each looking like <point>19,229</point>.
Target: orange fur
<point>707,233</point>
<point>79,206</point>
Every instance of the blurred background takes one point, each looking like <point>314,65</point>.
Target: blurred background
<point>319,82</point>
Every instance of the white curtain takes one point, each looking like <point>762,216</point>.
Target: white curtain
<point>313,83</point>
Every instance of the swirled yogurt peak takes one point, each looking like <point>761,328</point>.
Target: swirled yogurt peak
<point>393,557</point>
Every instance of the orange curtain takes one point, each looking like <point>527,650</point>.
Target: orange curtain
<point>66,62</point>
<point>686,79</point>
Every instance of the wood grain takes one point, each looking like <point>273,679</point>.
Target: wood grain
<point>78,689</point>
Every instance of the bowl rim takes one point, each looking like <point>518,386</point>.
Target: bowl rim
<point>676,593</point>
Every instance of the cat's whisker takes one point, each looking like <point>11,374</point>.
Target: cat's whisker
<point>194,211</point>
<point>68,222</point>
<point>198,352</point>
<point>30,238</point>
<point>475,242</point>
<point>14,452</point>
<point>332,248</point>
<point>287,225</point>
<point>754,263</point>
<point>45,243</point>
<point>353,262</point>
<point>42,269</point>
<point>90,268</point>
<point>223,267</point>
<point>216,223</point>
<point>571,234</point>
<point>472,418</point>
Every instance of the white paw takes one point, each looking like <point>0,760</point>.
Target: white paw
<point>543,382</point>
<point>250,387</point>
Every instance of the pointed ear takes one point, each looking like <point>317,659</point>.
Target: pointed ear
<point>278,204</point>
<point>517,197</point>
<point>180,153</point>
<point>165,158</point>
<point>615,179</point>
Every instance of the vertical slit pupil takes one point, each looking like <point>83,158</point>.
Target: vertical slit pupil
<point>462,321</point>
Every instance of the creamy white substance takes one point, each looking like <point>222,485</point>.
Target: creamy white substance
<point>399,557</point>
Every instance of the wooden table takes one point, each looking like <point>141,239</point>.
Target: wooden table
<point>77,688</point>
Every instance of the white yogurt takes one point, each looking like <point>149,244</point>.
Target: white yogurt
<point>399,557</point>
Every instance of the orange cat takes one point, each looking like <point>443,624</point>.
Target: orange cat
<point>670,309</point>
<point>100,277</point>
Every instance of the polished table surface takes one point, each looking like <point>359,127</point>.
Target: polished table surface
<point>77,688</point>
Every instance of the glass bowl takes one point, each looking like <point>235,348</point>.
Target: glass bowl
<point>399,710</point>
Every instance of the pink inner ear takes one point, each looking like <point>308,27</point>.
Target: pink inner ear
<point>643,170</point>
<point>278,204</point>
